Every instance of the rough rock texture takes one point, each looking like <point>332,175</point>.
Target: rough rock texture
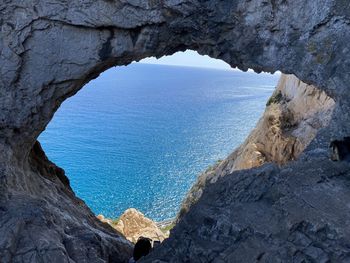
<point>58,227</point>
<point>103,219</point>
<point>296,214</point>
<point>133,224</point>
<point>50,49</point>
<point>293,116</point>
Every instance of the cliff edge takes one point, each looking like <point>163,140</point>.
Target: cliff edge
<point>293,116</point>
<point>292,207</point>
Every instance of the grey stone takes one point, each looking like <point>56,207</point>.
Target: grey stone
<point>255,216</point>
<point>50,49</point>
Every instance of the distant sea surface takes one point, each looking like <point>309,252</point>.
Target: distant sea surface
<point>138,136</point>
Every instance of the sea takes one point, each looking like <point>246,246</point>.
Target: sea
<point>139,135</point>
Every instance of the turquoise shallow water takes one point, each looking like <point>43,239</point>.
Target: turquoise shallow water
<point>138,136</point>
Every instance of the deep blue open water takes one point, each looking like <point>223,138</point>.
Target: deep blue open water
<point>138,136</point>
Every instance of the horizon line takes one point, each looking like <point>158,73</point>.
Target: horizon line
<point>204,67</point>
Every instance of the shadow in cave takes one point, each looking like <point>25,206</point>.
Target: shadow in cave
<point>340,149</point>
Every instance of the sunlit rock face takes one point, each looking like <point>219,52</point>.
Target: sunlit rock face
<point>293,116</point>
<point>50,49</point>
<point>133,225</point>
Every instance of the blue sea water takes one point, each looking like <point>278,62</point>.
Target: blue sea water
<point>138,136</point>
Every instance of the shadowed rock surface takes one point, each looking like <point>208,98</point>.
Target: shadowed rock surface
<point>50,49</point>
<point>296,214</point>
<point>57,227</point>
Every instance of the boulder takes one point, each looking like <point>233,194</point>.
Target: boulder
<point>133,224</point>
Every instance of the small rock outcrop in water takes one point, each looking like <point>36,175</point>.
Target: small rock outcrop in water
<point>293,116</point>
<point>50,49</point>
<point>133,224</point>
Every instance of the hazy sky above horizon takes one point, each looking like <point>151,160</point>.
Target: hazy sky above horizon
<point>188,58</point>
<point>191,58</point>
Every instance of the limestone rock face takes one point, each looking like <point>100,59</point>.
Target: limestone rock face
<point>50,49</point>
<point>293,116</point>
<point>133,224</point>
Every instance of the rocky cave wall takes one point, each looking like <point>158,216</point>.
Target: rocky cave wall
<point>50,49</point>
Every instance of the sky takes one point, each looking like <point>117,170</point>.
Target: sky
<point>191,58</point>
<point>188,58</point>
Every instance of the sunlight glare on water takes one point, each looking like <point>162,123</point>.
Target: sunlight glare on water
<point>138,136</point>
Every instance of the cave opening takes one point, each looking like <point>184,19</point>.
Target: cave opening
<point>298,212</point>
<point>138,136</point>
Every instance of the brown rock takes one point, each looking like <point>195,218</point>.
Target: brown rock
<point>294,114</point>
<point>105,220</point>
<point>133,224</point>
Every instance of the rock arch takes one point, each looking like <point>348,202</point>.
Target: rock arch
<point>49,50</point>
